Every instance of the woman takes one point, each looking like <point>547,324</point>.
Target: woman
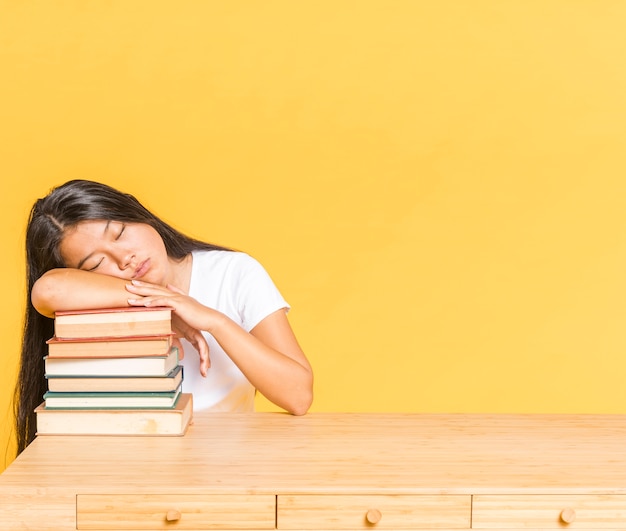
<point>91,246</point>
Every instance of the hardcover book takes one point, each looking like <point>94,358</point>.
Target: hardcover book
<point>142,366</point>
<point>168,421</point>
<point>109,347</point>
<point>113,322</point>
<point>106,384</point>
<point>121,400</point>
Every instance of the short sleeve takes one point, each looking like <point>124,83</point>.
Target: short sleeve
<point>256,294</point>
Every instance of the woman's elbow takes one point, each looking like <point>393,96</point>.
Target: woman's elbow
<point>47,292</point>
<point>301,402</point>
<point>302,407</point>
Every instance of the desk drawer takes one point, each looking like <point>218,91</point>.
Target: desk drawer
<point>548,512</point>
<point>181,511</point>
<point>376,511</point>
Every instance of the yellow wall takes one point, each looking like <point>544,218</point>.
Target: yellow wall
<point>437,187</point>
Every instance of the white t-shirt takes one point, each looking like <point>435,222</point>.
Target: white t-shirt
<point>238,286</point>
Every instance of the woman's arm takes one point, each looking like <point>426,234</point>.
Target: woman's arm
<point>269,355</point>
<point>75,289</point>
<point>271,359</point>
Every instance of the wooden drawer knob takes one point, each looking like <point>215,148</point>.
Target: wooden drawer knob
<point>568,515</point>
<point>373,516</point>
<point>173,515</point>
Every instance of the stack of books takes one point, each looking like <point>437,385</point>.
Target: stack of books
<point>114,372</point>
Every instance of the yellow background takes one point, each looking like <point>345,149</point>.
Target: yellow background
<point>437,188</point>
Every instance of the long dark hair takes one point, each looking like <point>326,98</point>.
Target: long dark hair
<point>62,209</point>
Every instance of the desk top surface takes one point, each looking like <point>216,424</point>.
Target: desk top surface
<point>340,452</point>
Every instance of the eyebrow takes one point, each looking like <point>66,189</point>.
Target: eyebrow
<point>80,264</point>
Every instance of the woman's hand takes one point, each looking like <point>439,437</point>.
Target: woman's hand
<point>187,318</point>
<point>269,355</point>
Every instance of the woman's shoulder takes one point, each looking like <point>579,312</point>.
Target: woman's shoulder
<point>225,260</point>
<point>235,275</point>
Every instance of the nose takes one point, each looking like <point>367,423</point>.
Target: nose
<point>125,259</point>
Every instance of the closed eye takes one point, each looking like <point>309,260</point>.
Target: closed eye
<point>96,266</point>
<point>121,231</point>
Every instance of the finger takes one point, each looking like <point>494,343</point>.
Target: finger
<point>205,361</point>
<point>142,288</point>
<point>177,343</point>
<point>175,289</point>
<point>135,302</point>
<point>142,284</point>
<point>151,301</point>
<point>141,301</point>
<point>199,342</point>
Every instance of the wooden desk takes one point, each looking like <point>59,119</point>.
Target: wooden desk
<point>329,472</point>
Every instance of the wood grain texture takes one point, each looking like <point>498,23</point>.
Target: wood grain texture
<point>188,511</point>
<point>491,459</point>
<point>335,511</point>
<point>548,511</point>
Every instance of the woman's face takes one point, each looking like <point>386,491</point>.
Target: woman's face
<point>124,250</point>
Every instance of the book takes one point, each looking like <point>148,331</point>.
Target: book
<point>142,366</point>
<point>111,347</point>
<point>121,400</point>
<point>113,322</point>
<point>103,384</point>
<point>169,421</point>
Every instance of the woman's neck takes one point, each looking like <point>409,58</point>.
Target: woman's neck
<point>180,270</point>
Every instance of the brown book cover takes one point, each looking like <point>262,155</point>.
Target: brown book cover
<point>113,322</point>
<point>109,347</point>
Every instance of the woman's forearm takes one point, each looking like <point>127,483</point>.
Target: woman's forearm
<point>75,289</point>
<point>286,379</point>
<point>269,355</point>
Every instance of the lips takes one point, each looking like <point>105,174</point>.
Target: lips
<point>142,269</point>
